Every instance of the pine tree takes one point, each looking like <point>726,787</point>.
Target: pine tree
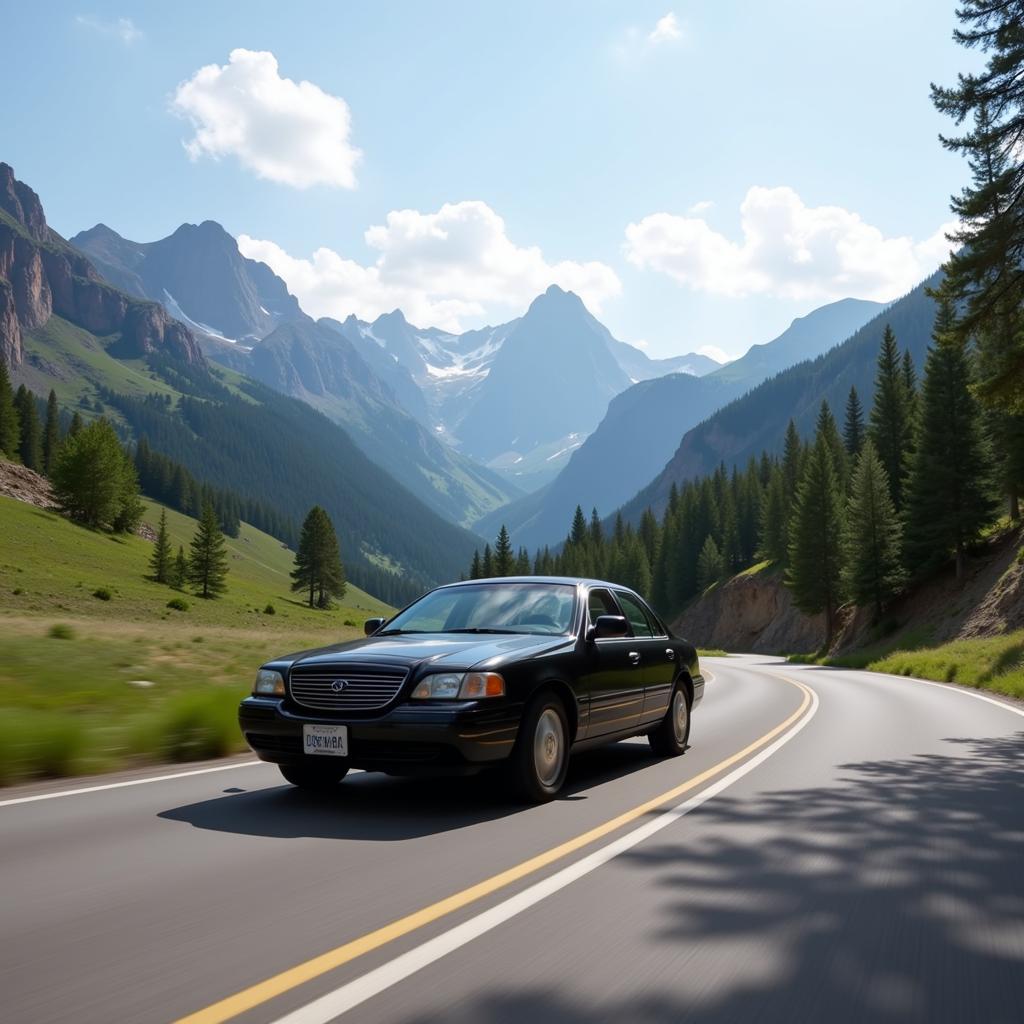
<point>474,569</point>
<point>596,530</point>
<point>873,567</point>
<point>774,521</point>
<point>51,433</point>
<point>504,560</point>
<point>30,447</point>
<point>949,491</point>
<point>984,276</point>
<point>523,563</point>
<point>94,481</point>
<point>318,567</point>
<point>10,425</point>
<point>828,431</point>
<point>890,423</point>
<point>792,462</point>
<point>487,563</point>
<point>160,561</point>
<point>578,533</point>
<point>179,570</point>
<point>710,567</point>
<point>208,558</point>
<point>853,428</point>
<point>76,424</point>
<point>815,557</point>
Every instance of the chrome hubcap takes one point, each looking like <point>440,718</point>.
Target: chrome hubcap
<point>680,715</point>
<point>548,747</point>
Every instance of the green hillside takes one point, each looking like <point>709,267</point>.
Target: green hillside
<point>49,566</point>
<point>89,685</point>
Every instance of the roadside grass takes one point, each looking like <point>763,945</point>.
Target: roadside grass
<point>985,663</point>
<point>90,684</point>
<point>711,652</point>
<point>114,695</point>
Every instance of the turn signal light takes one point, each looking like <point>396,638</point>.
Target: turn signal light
<point>482,684</point>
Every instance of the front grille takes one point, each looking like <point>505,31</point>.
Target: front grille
<point>345,687</point>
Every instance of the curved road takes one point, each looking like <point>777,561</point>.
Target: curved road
<point>834,846</point>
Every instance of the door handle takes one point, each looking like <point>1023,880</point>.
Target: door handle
<point>671,654</point>
<point>634,657</point>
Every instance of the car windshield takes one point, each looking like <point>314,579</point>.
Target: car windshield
<point>544,608</point>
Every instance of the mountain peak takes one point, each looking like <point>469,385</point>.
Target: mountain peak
<point>396,318</point>
<point>21,203</point>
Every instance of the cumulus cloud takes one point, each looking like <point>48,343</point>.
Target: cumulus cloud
<point>788,249</point>
<point>448,269</point>
<point>714,352</point>
<point>121,28</point>
<point>667,30</point>
<point>290,132</point>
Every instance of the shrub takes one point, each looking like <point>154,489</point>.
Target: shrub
<point>102,594</point>
<point>179,604</point>
<point>39,745</point>
<point>270,610</point>
<point>17,590</point>
<point>196,726</point>
<point>61,631</point>
<point>351,622</point>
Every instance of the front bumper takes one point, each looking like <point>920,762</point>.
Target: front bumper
<point>406,740</point>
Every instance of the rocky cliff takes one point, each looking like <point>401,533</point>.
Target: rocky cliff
<point>41,275</point>
<point>751,613</point>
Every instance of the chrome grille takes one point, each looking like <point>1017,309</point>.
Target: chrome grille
<point>365,687</point>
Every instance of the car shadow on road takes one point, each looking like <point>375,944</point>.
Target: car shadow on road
<point>895,893</point>
<point>374,807</point>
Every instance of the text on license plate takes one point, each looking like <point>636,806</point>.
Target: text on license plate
<point>331,740</point>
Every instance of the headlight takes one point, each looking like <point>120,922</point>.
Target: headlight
<point>268,684</point>
<point>459,686</point>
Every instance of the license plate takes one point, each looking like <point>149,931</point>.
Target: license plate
<point>328,740</point>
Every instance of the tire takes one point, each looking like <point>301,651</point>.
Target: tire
<point>540,758</point>
<point>670,737</point>
<point>314,778</point>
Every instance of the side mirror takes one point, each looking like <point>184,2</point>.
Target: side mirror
<point>609,627</point>
<point>370,626</point>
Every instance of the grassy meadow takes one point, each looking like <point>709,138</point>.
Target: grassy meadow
<point>89,684</point>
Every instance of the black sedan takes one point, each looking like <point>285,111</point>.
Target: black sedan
<point>513,673</point>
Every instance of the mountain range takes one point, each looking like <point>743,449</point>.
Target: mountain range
<point>643,424</point>
<point>63,326</point>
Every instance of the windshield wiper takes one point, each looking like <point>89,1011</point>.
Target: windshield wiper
<point>396,632</point>
<point>483,629</point>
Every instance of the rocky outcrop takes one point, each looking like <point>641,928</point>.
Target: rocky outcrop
<point>41,275</point>
<point>18,200</point>
<point>751,613</point>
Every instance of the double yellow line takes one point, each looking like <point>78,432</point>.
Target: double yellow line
<point>293,977</point>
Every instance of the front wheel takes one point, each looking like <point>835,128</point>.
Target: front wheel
<point>670,737</point>
<point>540,758</point>
<point>315,778</point>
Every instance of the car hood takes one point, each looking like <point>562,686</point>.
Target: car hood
<point>445,651</point>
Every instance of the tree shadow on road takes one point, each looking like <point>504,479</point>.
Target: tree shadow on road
<point>377,808</point>
<point>894,893</point>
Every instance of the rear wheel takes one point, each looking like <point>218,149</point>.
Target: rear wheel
<point>314,777</point>
<point>540,758</point>
<point>669,739</point>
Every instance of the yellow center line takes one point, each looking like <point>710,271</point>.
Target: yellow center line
<point>293,977</point>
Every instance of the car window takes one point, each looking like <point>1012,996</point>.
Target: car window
<point>601,602</point>
<point>635,614</point>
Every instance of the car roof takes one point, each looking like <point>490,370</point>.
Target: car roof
<point>574,581</point>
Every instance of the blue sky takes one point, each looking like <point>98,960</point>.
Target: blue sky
<point>700,172</point>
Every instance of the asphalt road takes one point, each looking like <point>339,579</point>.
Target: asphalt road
<point>844,847</point>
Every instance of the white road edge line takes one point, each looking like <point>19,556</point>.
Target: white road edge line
<point>127,782</point>
<point>358,991</point>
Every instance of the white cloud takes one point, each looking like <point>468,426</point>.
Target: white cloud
<point>290,132</point>
<point>123,28</point>
<point>667,30</point>
<point>702,207</point>
<point>448,269</point>
<point>788,249</point>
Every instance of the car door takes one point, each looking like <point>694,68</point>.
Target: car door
<point>657,657</point>
<point>611,675</point>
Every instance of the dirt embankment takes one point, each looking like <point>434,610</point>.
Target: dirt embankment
<point>754,612</point>
<point>25,484</point>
